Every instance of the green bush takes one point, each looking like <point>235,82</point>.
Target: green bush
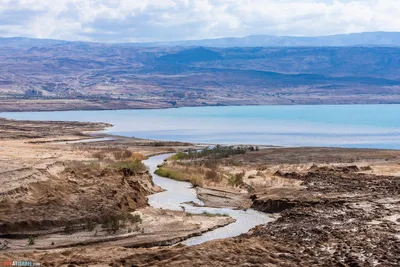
<point>205,213</point>
<point>168,174</point>
<point>217,152</point>
<point>111,224</point>
<point>179,156</point>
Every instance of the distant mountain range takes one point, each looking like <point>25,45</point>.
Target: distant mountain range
<point>342,69</point>
<point>353,39</point>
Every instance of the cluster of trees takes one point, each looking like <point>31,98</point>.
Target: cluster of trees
<point>217,152</point>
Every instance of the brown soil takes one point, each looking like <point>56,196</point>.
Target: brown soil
<point>223,197</point>
<point>330,216</point>
<point>69,194</point>
<point>337,207</point>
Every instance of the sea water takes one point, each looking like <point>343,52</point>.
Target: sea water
<point>366,126</point>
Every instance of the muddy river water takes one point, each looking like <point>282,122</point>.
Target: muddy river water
<point>177,193</point>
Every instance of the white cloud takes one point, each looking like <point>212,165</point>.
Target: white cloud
<point>162,20</point>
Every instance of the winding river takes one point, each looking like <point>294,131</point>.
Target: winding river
<point>176,193</point>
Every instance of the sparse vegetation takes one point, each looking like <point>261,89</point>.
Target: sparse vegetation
<point>4,245</point>
<point>169,143</point>
<point>138,156</point>
<point>69,228</point>
<point>212,175</point>
<point>196,180</point>
<point>164,172</point>
<point>179,156</point>
<point>237,179</point>
<point>100,155</point>
<point>90,225</point>
<point>217,152</point>
<point>112,222</point>
<point>81,166</point>
<point>135,218</point>
<point>122,154</point>
<point>31,240</point>
<point>208,214</point>
<point>131,167</point>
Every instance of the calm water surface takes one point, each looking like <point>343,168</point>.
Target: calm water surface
<point>373,126</point>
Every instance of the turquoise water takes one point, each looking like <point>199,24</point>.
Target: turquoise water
<point>373,126</point>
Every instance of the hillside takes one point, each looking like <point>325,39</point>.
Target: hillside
<point>97,76</point>
<point>353,39</point>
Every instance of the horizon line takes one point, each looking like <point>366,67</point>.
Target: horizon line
<point>193,40</point>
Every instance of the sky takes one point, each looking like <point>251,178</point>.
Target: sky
<point>167,20</point>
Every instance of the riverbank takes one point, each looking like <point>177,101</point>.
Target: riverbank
<point>338,207</point>
<point>43,105</point>
<point>62,188</point>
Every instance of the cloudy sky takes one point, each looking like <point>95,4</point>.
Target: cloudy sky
<point>165,20</point>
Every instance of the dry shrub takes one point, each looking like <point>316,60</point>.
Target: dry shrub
<point>138,156</point>
<point>99,155</point>
<point>131,167</point>
<point>212,175</point>
<point>237,179</point>
<point>211,164</point>
<point>112,221</point>
<point>196,181</point>
<point>82,166</point>
<point>122,154</point>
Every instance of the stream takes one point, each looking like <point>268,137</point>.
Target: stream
<point>176,193</point>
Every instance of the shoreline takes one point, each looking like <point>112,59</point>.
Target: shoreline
<point>42,107</point>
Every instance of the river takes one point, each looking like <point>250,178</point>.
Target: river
<point>176,193</point>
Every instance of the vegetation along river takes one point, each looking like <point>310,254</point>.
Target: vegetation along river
<point>177,193</point>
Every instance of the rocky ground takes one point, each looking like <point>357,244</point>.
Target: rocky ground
<point>334,207</point>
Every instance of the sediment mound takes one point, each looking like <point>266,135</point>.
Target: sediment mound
<point>71,197</point>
